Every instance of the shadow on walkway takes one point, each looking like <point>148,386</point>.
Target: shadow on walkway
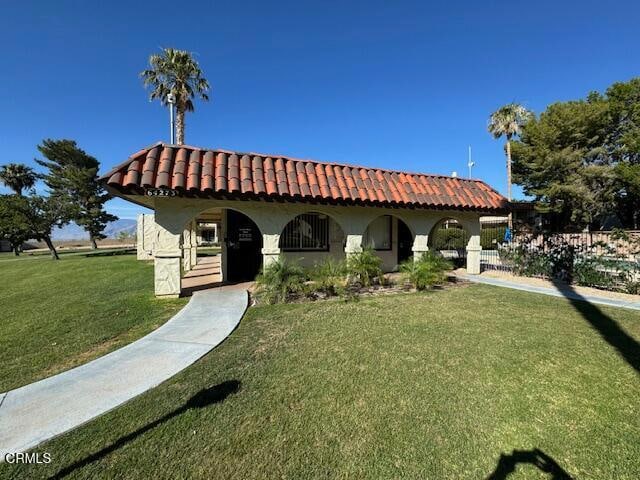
<point>202,399</point>
<point>507,465</point>
<point>607,327</point>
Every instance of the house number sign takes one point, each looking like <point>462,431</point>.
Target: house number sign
<point>161,192</point>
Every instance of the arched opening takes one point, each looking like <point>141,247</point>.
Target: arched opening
<point>219,245</point>
<point>312,237</point>
<point>243,247</point>
<point>450,238</point>
<point>391,239</point>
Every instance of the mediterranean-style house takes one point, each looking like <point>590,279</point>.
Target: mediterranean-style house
<point>271,205</point>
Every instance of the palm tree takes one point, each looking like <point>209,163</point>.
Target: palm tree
<point>508,121</point>
<point>17,177</point>
<point>176,72</point>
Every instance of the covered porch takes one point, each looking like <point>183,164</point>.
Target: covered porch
<point>265,207</point>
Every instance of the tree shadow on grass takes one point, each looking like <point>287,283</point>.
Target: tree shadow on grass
<point>507,465</point>
<point>626,346</point>
<point>202,399</point>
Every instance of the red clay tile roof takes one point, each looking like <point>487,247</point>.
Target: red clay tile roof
<point>224,174</point>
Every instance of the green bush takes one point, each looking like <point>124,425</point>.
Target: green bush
<point>280,280</point>
<point>426,271</point>
<point>632,287</point>
<point>450,239</point>
<point>589,272</point>
<point>328,277</point>
<point>527,262</point>
<point>364,267</point>
<point>492,237</point>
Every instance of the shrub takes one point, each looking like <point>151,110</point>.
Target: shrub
<point>562,257</point>
<point>492,237</point>
<point>329,277</point>
<point>280,280</point>
<point>588,272</point>
<point>426,271</point>
<point>364,267</point>
<point>450,239</point>
<point>527,262</point>
<point>632,287</point>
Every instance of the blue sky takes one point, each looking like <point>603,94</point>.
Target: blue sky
<point>403,85</point>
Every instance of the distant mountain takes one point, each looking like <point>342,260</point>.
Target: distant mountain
<point>122,225</point>
<point>74,232</point>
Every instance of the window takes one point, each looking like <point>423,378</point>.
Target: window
<point>307,232</point>
<point>378,234</point>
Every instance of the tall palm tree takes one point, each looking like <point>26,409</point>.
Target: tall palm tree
<point>17,177</point>
<point>175,71</point>
<point>507,122</point>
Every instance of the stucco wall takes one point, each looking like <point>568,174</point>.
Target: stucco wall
<point>173,214</point>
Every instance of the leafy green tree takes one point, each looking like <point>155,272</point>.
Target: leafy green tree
<point>624,142</point>
<point>17,177</point>
<point>176,72</point>
<point>22,218</point>
<point>580,159</point>
<point>507,122</point>
<point>125,236</point>
<point>73,179</point>
<point>13,225</point>
<point>627,176</point>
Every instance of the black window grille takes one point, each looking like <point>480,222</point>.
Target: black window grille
<point>308,232</point>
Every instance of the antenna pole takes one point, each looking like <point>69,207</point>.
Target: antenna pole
<point>171,122</point>
<point>171,100</point>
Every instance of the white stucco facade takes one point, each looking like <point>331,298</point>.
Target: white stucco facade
<point>173,234</point>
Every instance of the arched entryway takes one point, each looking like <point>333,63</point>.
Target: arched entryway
<point>243,242</point>
<point>450,238</point>
<point>391,239</point>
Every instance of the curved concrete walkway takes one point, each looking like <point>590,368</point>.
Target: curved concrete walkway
<point>42,410</point>
<point>553,291</point>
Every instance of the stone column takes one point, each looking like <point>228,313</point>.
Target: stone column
<point>474,249</point>
<point>145,234</point>
<point>353,245</point>
<point>194,243</point>
<point>270,248</point>
<point>167,252</point>
<point>186,249</point>
<point>420,245</point>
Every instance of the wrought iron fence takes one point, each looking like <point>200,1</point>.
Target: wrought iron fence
<point>603,259</point>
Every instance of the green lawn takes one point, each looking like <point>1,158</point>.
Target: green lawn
<point>436,386</point>
<point>57,315</point>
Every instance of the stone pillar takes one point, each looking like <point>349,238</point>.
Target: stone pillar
<point>186,249</point>
<point>194,243</point>
<point>420,246</point>
<point>167,252</point>
<point>353,245</point>
<point>144,236</point>
<point>270,248</point>
<point>474,249</point>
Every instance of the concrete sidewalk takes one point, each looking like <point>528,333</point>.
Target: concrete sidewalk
<point>42,410</point>
<point>553,291</point>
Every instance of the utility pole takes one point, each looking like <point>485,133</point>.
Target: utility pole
<point>171,100</point>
